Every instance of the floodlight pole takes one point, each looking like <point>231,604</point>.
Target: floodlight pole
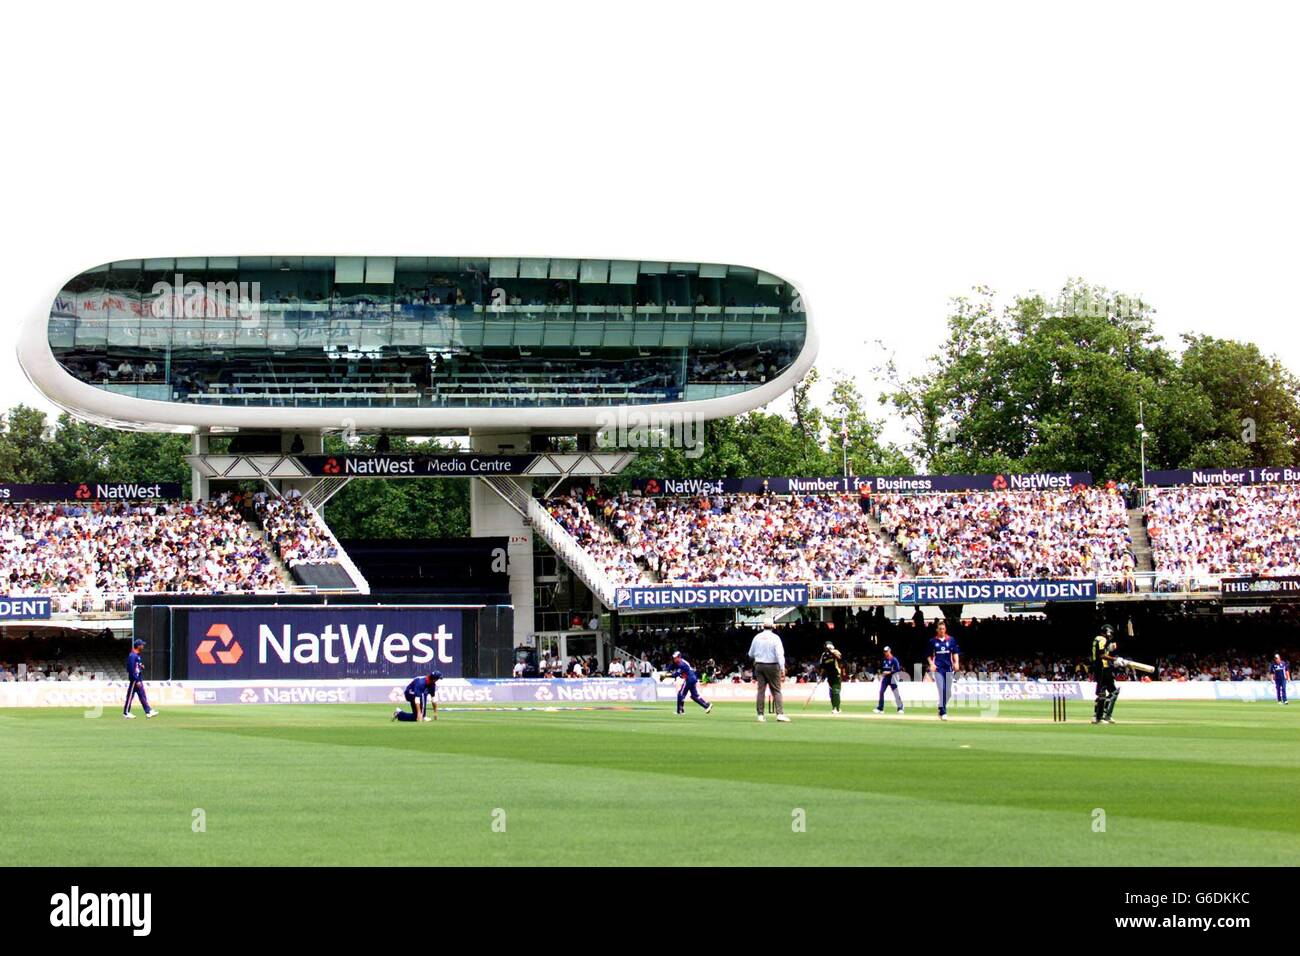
<point>1142,445</point>
<point>844,444</point>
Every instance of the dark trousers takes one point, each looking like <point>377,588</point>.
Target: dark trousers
<point>769,676</point>
<point>836,686</point>
<point>689,687</point>
<point>415,711</point>
<point>887,683</point>
<point>1106,694</point>
<point>1280,684</point>
<point>135,689</point>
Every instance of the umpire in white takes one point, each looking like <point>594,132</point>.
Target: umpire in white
<point>769,670</point>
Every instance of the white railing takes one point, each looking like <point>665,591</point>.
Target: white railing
<point>571,552</point>
<point>343,559</point>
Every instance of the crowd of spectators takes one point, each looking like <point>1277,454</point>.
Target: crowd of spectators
<point>97,550</point>
<point>1068,533</point>
<point>729,538</point>
<point>295,530</point>
<point>611,556</point>
<point>1247,530</point>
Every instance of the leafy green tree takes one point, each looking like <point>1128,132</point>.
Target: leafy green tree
<point>397,508</point>
<point>1038,385</point>
<point>27,448</point>
<point>852,427</point>
<point>1226,405</point>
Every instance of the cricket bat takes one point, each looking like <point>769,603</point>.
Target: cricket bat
<point>1125,662</point>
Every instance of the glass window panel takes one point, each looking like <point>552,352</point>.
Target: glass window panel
<point>349,270</point>
<point>504,269</point>
<point>622,272</point>
<point>564,269</point>
<point>594,270</point>
<point>379,269</point>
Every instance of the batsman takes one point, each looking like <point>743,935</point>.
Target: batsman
<point>833,673</point>
<point>1103,672</point>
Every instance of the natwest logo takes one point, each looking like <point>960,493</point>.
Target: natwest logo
<point>999,483</point>
<point>83,492</point>
<point>219,632</point>
<point>331,466</point>
<point>350,645</point>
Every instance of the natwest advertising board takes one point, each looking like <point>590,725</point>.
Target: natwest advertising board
<point>324,643</point>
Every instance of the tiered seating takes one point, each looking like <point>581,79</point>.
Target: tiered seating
<point>1080,533</point>
<point>730,539</point>
<point>89,556</point>
<point>1197,532</point>
<point>296,531</point>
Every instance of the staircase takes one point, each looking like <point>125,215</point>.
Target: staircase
<point>905,566</point>
<point>342,559</point>
<point>1137,531</point>
<point>561,542</point>
<point>325,489</point>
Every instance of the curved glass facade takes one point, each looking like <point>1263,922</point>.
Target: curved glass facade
<point>411,332</point>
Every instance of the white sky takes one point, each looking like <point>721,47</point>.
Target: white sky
<point>883,158</point>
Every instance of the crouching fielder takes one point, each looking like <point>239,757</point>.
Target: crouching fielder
<point>135,682</point>
<point>690,681</point>
<point>417,695</point>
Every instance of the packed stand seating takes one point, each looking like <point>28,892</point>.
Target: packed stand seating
<point>1078,533</point>
<point>1198,532</point>
<point>90,552</point>
<point>744,538</point>
<point>295,530</point>
<point>613,557</point>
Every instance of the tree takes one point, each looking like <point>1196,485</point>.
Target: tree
<point>1038,385</point>
<point>27,451</point>
<point>1226,405</point>
<point>398,508</point>
<point>867,455</point>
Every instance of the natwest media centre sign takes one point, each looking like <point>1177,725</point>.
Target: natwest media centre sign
<point>995,592</point>
<point>324,643</point>
<point>415,466</point>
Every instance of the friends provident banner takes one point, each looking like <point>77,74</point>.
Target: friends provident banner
<point>995,592</point>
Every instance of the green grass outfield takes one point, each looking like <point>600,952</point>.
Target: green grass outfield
<point>1179,782</point>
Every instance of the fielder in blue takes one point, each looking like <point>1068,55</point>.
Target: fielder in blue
<point>889,668</point>
<point>135,682</point>
<point>417,694</point>
<point>1281,672</point>
<point>682,668</point>
<point>945,661</point>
